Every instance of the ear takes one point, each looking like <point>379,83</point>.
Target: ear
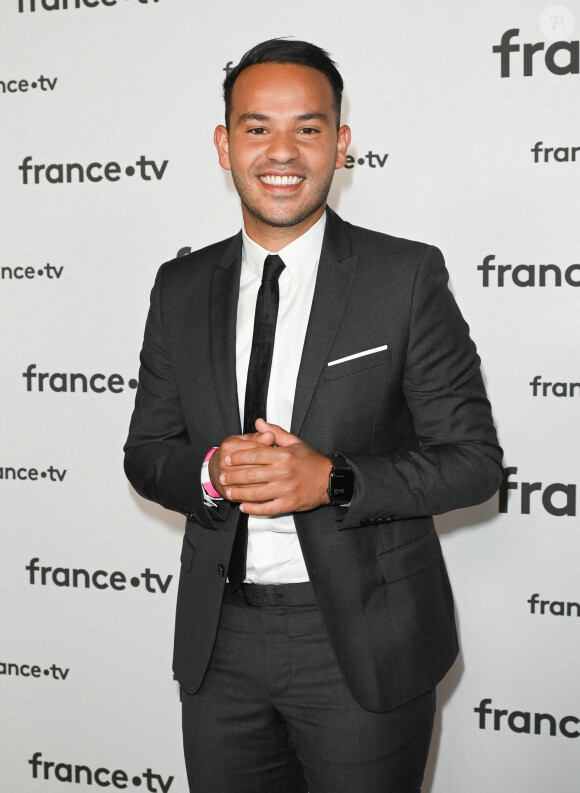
<point>221,141</point>
<point>342,146</point>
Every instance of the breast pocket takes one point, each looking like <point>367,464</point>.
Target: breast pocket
<point>358,362</point>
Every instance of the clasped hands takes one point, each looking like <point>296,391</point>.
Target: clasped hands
<point>270,472</point>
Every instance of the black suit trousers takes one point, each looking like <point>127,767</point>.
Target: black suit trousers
<point>273,715</point>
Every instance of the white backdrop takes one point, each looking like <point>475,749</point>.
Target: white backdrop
<point>87,695</point>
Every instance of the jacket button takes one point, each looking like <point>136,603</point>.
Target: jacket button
<point>221,570</point>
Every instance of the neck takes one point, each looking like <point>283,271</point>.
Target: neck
<point>274,238</point>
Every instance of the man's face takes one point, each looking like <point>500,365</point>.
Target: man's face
<point>282,146</point>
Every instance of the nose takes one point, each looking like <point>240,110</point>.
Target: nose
<point>282,147</point>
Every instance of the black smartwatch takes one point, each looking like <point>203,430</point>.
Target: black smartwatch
<point>340,482</point>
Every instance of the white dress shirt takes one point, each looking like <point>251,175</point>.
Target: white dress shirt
<point>274,554</point>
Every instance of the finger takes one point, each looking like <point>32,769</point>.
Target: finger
<point>265,438</point>
<point>263,509</point>
<point>246,475</point>
<point>244,440</point>
<point>251,493</point>
<point>251,437</point>
<point>281,436</point>
<point>241,442</point>
<point>256,455</point>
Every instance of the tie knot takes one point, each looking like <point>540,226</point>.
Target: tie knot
<point>273,266</point>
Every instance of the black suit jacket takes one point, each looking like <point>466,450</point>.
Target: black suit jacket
<point>413,422</point>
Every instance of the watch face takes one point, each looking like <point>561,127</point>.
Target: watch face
<point>341,486</point>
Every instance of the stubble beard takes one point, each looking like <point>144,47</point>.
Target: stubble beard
<point>279,217</point>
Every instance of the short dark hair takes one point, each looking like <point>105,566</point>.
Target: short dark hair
<point>287,51</point>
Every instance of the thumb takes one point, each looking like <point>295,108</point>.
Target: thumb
<point>281,436</point>
<point>266,438</point>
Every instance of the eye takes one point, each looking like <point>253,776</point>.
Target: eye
<point>257,130</point>
<point>309,130</point>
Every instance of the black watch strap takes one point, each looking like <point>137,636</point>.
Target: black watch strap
<point>340,481</point>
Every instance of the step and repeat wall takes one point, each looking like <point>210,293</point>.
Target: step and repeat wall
<point>466,134</point>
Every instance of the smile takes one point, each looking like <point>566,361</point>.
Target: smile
<point>281,180</point>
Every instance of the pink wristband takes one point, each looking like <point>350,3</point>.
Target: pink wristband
<point>207,486</point>
<point>207,457</point>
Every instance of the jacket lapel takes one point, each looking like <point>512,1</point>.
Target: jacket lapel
<point>223,309</point>
<point>336,272</point>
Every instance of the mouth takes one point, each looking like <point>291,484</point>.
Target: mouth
<point>275,180</point>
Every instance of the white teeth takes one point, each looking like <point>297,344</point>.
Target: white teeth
<point>281,180</point>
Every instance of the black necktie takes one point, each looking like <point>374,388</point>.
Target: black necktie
<point>257,388</point>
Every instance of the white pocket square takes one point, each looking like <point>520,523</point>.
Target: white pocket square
<point>358,355</point>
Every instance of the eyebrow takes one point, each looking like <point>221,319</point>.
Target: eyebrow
<point>302,117</point>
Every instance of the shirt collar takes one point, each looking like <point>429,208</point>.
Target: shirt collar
<point>299,256</point>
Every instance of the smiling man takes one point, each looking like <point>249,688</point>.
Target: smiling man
<point>283,160</point>
<point>308,397</point>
